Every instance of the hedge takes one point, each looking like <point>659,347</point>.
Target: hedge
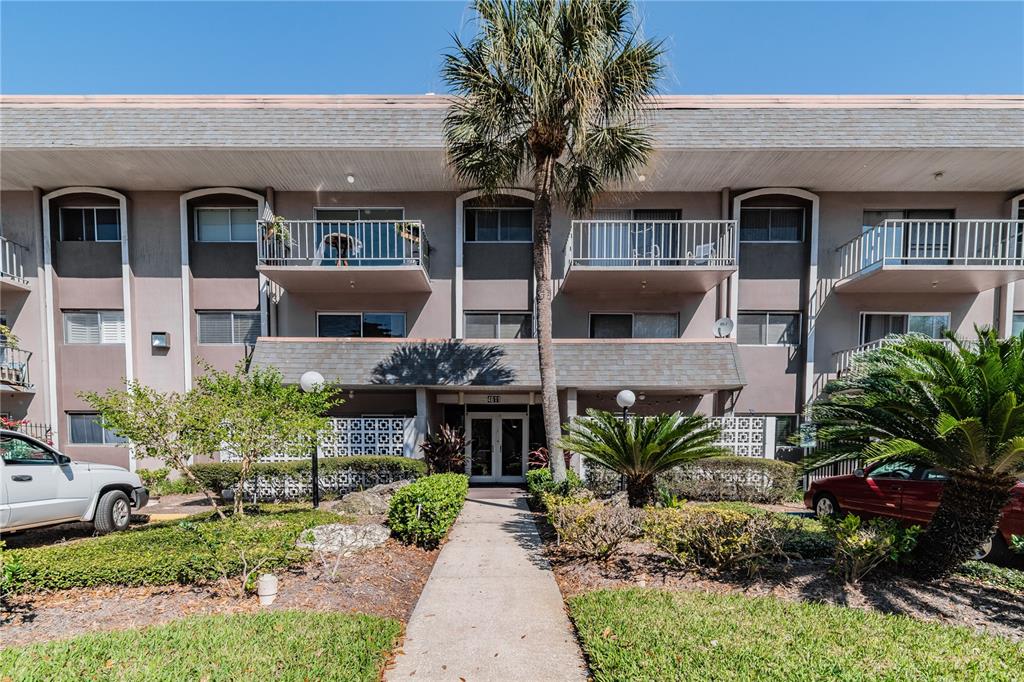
<point>163,553</point>
<point>422,513</point>
<point>218,476</point>
<point>741,479</point>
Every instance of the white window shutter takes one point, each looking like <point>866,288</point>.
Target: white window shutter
<point>81,327</point>
<point>112,326</point>
<point>214,327</point>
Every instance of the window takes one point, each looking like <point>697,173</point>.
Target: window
<point>499,224</point>
<point>90,225</point>
<point>634,325</point>
<point>1017,326</point>
<point>499,325</point>
<point>768,329</point>
<point>17,450</point>
<point>877,326</point>
<point>234,327</point>
<point>86,429</point>
<point>371,325</point>
<point>359,214</point>
<point>94,326</point>
<point>899,470</point>
<point>772,224</point>
<point>218,224</point>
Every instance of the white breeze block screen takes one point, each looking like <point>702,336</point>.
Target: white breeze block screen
<point>743,435</point>
<point>347,436</point>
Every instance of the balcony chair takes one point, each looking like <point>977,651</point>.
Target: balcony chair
<point>335,248</point>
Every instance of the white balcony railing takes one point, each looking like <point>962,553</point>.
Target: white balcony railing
<point>14,366</point>
<point>652,244</point>
<point>935,243</point>
<point>345,244</point>
<point>843,360</point>
<point>12,261</point>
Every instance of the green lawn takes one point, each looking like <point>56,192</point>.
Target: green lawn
<point>650,634</point>
<point>166,553</point>
<point>281,646</point>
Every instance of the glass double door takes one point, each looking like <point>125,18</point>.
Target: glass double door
<point>496,444</point>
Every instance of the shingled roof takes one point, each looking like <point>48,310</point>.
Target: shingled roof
<point>415,122</point>
<point>679,365</point>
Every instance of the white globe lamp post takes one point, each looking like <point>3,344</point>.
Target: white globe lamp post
<point>309,382</point>
<point>625,399</point>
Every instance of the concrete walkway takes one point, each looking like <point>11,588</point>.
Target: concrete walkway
<point>491,609</point>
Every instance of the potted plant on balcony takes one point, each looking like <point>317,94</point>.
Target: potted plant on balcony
<point>279,236</point>
<point>7,338</point>
<point>409,231</point>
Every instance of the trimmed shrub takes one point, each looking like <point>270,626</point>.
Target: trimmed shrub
<point>591,527</point>
<point>423,512</point>
<point>744,479</point>
<point>220,476</point>
<point>701,536</point>
<point>862,547</point>
<point>159,482</point>
<point>539,482</point>
<point>167,553</point>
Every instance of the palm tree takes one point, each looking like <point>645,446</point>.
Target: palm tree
<point>642,447</point>
<point>957,406</point>
<point>553,90</point>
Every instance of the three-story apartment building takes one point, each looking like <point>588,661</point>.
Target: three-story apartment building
<point>148,237</point>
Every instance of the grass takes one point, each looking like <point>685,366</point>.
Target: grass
<point>650,634</point>
<point>285,646</point>
<point>990,574</point>
<point>167,553</point>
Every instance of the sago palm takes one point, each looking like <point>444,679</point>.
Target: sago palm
<point>553,91</point>
<point>641,448</point>
<point>954,405</point>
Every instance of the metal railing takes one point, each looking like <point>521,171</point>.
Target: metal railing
<point>842,360</point>
<point>43,432</point>
<point>12,260</point>
<point>652,243</point>
<point>14,366</point>
<point>842,467</point>
<point>345,244</point>
<point>995,243</point>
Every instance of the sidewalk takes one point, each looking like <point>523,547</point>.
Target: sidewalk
<point>491,609</point>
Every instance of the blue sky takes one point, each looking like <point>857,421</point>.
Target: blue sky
<point>395,47</point>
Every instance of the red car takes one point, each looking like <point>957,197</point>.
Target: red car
<point>909,493</point>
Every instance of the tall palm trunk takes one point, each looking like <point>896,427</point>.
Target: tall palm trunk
<point>966,517</point>
<point>543,181</point>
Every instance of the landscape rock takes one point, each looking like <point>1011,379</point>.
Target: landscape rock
<point>370,502</point>
<point>344,538</point>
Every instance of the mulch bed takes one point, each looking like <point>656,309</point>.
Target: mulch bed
<point>954,601</point>
<point>385,581</point>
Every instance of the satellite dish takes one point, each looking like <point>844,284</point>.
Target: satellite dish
<point>724,327</point>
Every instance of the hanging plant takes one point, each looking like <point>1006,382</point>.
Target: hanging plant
<point>7,337</point>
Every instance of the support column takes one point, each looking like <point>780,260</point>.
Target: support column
<point>769,437</point>
<point>571,411</point>
<point>1006,296</point>
<point>419,430</point>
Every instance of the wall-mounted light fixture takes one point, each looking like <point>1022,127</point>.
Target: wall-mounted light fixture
<point>160,340</point>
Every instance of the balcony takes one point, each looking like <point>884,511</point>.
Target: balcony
<point>938,256</point>
<point>14,374</point>
<point>629,256</point>
<point>843,360</point>
<point>13,257</point>
<point>331,256</point>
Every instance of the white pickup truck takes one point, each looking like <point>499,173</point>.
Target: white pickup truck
<point>41,487</point>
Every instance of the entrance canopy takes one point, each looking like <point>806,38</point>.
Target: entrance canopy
<point>681,365</point>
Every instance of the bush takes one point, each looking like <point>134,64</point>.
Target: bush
<point>862,547</point>
<point>159,482</point>
<point>718,539</point>
<point>422,513</point>
<point>593,528</point>
<point>165,553</point>
<point>539,482</point>
<point>221,476</point>
<point>445,450</point>
<point>745,479</point>
<point>990,574</point>
<point>286,646</point>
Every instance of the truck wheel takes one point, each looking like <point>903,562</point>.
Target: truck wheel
<point>112,513</point>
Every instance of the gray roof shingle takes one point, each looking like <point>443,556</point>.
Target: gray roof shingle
<point>680,365</point>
